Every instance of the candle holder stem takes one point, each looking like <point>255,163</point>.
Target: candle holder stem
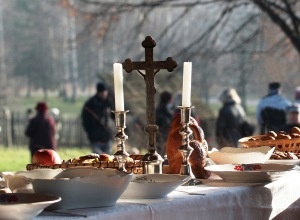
<point>121,137</point>
<point>152,161</point>
<point>185,148</point>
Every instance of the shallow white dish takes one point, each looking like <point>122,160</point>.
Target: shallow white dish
<point>84,187</point>
<point>250,173</point>
<point>24,205</point>
<point>287,161</point>
<point>232,155</point>
<point>152,186</point>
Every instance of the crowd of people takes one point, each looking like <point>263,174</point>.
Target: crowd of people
<point>274,112</point>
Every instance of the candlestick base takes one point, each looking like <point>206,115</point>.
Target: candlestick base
<point>122,158</point>
<point>152,163</point>
<point>121,154</point>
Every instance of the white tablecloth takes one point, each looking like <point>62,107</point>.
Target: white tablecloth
<point>214,199</point>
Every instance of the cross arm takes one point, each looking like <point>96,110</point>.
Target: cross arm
<point>128,66</point>
<point>169,64</point>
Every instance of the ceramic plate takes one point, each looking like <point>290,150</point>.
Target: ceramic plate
<point>24,205</point>
<point>153,186</point>
<point>250,173</point>
<point>290,161</point>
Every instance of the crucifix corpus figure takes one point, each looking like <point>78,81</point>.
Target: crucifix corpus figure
<point>151,68</point>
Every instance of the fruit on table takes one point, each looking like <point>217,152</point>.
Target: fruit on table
<point>46,157</point>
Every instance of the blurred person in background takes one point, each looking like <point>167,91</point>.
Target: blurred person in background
<point>55,113</point>
<point>270,112</point>
<point>41,130</point>
<point>297,94</point>
<point>164,116</point>
<point>292,117</point>
<point>95,116</point>
<point>29,114</point>
<point>231,119</point>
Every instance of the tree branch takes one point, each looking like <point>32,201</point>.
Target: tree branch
<point>263,5</point>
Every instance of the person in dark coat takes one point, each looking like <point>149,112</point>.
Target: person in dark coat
<point>297,94</point>
<point>95,115</point>
<point>292,117</point>
<point>230,119</point>
<point>270,112</point>
<point>164,115</point>
<point>41,130</point>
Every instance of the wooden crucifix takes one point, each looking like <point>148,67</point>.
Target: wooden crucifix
<point>151,68</point>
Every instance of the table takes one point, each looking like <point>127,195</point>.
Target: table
<point>214,199</point>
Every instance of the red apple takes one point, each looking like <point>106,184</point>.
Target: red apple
<point>46,157</point>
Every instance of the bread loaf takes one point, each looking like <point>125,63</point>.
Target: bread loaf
<point>198,157</point>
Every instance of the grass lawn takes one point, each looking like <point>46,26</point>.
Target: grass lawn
<point>23,103</point>
<point>16,158</point>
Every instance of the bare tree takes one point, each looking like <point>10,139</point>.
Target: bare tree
<point>284,14</point>
<point>205,32</point>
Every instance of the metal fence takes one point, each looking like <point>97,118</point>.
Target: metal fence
<point>13,125</point>
<point>70,131</point>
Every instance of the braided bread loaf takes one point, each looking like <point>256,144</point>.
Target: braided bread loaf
<point>198,157</point>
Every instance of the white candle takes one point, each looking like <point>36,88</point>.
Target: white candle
<point>118,84</point>
<point>186,84</point>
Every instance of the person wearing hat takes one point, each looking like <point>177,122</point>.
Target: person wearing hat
<point>95,116</point>
<point>292,117</point>
<point>231,119</point>
<point>270,112</point>
<point>41,130</point>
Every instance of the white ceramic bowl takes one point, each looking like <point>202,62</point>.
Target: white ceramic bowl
<point>24,206</point>
<point>18,182</point>
<point>152,186</point>
<point>250,173</point>
<point>84,187</point>
<point>231,155</point>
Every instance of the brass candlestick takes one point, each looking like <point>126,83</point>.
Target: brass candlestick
<point>121,137</point>
<point>185,148</point>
